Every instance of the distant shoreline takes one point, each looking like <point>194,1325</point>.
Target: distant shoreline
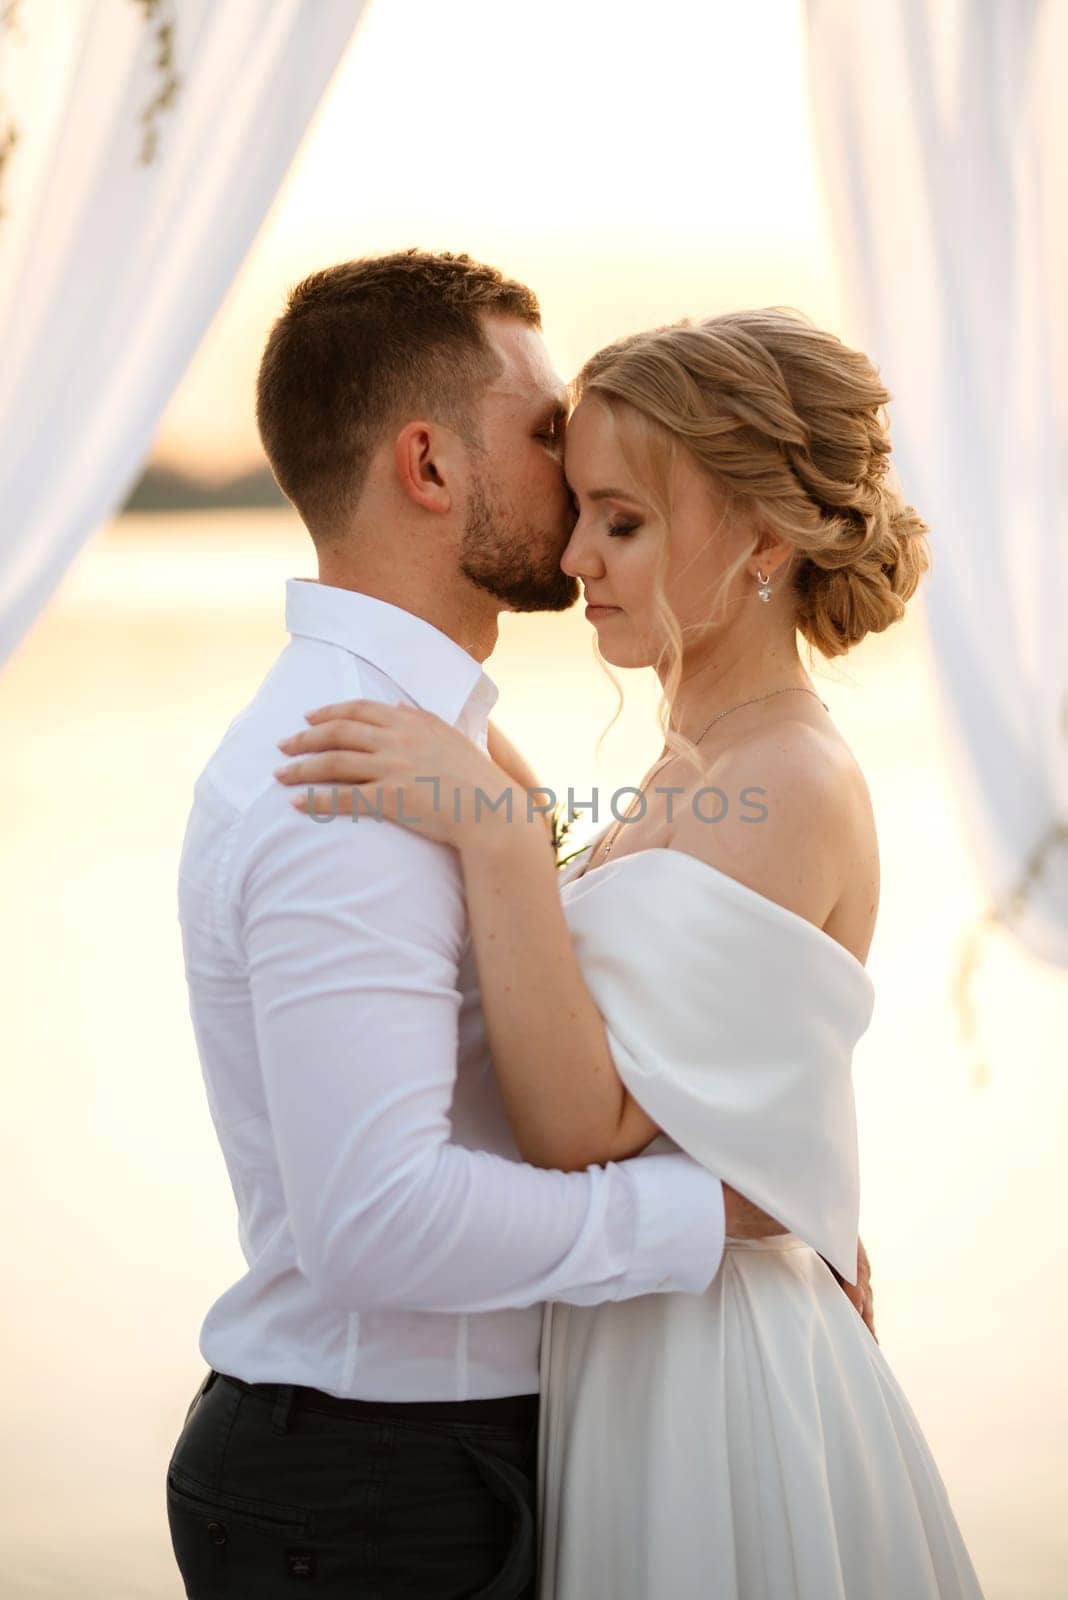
<point>161,489</point>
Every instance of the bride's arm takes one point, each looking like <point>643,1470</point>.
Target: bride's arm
<point>567,1105</point>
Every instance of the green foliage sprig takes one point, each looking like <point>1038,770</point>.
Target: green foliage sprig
<point>160,16</point>
<point>561,824</point>
<point>9,138</point>
<point>10,22</point>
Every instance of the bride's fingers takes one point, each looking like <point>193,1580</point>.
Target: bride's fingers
<point>340,799</point>
<point>340,733</point>
<point>376,711</point>
<point>374,800</point>
<point>333,766</point>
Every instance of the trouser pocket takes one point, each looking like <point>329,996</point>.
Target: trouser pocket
<point>514,1489</point>
<point>228,1544</point>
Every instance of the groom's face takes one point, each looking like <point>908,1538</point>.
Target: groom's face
<point>519,516</point>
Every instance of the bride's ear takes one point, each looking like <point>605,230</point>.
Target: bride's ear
<point>770,554</point>
<point>424,464</point>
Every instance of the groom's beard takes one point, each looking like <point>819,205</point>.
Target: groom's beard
<point>502,556</point>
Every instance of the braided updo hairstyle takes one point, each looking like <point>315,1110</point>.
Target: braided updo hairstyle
<point>790,424</point>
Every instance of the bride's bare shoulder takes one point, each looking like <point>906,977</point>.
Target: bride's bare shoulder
<point>779,810</point>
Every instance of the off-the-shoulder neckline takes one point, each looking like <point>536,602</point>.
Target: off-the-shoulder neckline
<point>771,908</point>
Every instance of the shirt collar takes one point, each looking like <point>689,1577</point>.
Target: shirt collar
<point>432,669</point>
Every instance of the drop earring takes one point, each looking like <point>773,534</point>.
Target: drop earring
<point>764,591</point>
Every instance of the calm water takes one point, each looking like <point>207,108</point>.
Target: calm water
<point>121,1219</point>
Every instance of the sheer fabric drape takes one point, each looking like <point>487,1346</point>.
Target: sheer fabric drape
<point>110,268</point>
<point>942,131</point>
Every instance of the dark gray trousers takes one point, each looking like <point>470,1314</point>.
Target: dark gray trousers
<point>277,1490</point>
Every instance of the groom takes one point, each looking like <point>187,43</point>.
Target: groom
<point>368,1424</point>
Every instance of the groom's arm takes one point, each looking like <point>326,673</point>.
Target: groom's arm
<point>352,932</point>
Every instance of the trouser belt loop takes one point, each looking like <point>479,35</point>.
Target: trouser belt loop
<point>280,1414</point>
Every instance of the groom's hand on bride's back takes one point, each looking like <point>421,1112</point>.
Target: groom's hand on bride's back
<point>744,1220</point>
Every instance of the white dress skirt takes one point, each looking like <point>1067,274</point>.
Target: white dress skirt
<point>749,1443</point>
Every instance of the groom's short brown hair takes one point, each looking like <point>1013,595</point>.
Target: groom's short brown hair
<point>367,344</point>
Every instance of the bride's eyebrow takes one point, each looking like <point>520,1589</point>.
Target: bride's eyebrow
<point>610,494</point>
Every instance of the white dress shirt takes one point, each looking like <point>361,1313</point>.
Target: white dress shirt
<point>397,1247</point>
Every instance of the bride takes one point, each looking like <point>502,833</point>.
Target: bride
<point>695,977</point>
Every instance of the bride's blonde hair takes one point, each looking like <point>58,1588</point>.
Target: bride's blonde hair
<point>790,425</point>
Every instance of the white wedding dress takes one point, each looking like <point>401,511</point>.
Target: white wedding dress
<point>750,1443</point>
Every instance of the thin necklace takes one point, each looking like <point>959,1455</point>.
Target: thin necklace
<point>793,689</point>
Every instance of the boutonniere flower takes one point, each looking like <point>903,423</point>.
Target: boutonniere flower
<point>561,826</point>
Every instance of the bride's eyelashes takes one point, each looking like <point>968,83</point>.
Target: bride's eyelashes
<point>619,530</point>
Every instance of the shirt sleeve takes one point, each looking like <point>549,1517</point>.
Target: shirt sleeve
<point>352,932</point>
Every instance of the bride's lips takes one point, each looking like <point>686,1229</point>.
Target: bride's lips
<point>594,613</point>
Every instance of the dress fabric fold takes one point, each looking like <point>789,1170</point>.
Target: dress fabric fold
<point>749,1443</point>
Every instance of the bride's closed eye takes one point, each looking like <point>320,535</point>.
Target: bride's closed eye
<point>618,530</point>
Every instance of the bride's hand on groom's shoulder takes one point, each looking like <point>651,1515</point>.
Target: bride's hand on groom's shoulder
<point>398,763</point>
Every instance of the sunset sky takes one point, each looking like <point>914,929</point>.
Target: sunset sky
<point>529,137</point>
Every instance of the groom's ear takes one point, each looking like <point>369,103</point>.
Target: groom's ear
<point>425,464</point>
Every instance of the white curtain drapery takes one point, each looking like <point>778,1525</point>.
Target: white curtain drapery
<point>943,137</point>
<point>110,268</point>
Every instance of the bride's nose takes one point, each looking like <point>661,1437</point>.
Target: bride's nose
<point>580,558</point>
